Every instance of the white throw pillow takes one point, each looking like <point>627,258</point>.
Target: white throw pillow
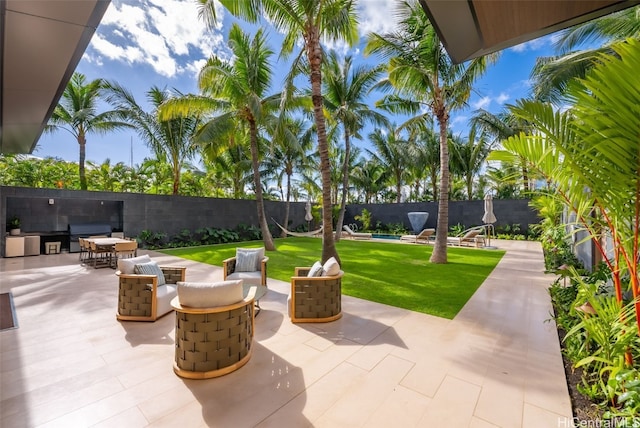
<point>248,259</point>
<point>209,294</point>
<point>127,266</point>
<point>331,267</point>
<point>316,270</point>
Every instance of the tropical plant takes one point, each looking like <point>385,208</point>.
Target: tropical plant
<point>238,91</point>
<point>552,75</point>
<point>289,155</point>
<point>77,113</point>
<point>391,151</point>
<point>171,139</point>
<point>467,158</point>
<point>427,82</point>
<point>307,21</point>
<point>585,149</point>
<point>345,89</point>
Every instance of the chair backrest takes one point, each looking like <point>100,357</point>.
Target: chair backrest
<point>98,236</point>
<point>426,233</point>
<point>126,246</point>
<point>348,229</point>
<point>471,234</point>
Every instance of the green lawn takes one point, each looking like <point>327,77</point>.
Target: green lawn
<point>395,274</point>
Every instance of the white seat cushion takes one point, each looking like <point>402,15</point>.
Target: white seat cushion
<point>165,294</point>
<point>210,294</point>
<point>331,267</point>
<point>254,278</point>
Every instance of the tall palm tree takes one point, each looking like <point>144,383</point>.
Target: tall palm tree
<point>77,113</point>
<point>499,127</point>
<point>307,21</point>
<point>421,70</point>
<point>171,140</point>
<point>424,158</point>
<point>238,91</point>
<point>345,89</point>
<point>370,177</point>
<point>551,75</point>
<point>391,151</point>
<point>468,157</point>
<point>289,155</point>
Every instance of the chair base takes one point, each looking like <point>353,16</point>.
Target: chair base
<point>325,319</point>
<point>187,374</point>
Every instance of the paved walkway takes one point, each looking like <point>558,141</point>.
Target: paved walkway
<point>71,364</point>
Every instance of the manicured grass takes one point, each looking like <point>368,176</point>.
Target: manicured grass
<point>395,274</point>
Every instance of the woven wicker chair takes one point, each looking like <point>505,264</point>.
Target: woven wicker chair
<point>140,298</point>
<point>212,342</point>
<point>315,299</point>
<point>258,277</point>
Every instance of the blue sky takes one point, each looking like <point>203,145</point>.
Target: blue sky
<point>142,43</point>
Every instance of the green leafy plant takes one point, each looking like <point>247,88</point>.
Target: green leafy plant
<point>365,218</point>
<point>14,223</point>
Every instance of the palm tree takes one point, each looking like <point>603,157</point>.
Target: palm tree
<point>171,140</point>
<point>289,155</point>
<point>307,21</point>
<point>551,75</point>
<point>370,177</point>
<point>468,158</point>
<point>499,127</point>
<point>420,69</point>
<point>391,151</point>
<point>424,158</point>
<point>345,89</point>
<point>77,113</point>
<point>237,90</point>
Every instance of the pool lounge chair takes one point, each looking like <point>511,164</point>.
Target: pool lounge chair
<point>422,237</point>
<point>468,237</point>
<point>356,235</point>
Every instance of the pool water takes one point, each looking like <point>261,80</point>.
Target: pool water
<point>382,236</point>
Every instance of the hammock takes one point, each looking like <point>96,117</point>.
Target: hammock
<point>299,234</point>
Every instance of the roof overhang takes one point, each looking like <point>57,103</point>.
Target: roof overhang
<point>472,28</point>
<point>41,43</point>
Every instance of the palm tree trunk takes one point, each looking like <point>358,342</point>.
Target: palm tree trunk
<point>287,206</point>
<point>176,180</point>
<point>439,254</point>
<point>82,141</point>
<point>345,185</point>
<point>264,228</point>
<point>314,54</point>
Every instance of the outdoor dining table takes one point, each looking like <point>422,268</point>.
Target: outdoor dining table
<point>105,245</point>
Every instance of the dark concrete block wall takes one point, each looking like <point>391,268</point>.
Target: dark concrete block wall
<point>133,213</point>
<point>467,213</point>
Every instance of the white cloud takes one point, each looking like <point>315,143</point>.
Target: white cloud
<point>482,103</point>
<point>379,16</point>
<point>164,34</point>
<point>533,45</point>
<point>502,98</point>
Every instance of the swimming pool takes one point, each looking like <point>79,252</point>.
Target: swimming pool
<point>383,236</point>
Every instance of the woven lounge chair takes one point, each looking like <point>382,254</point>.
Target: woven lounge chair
<point>257,274</point>
<point>356,235</point>
<point>139,296</point>
<point>423,237</point>
<point>216,340</point>
<point>315,299</point>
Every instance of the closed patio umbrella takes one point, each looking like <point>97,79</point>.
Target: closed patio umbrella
<point>307,215</point>
<point>488,217</point>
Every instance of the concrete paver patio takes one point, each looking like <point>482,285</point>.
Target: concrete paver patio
<point>72,364</point>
